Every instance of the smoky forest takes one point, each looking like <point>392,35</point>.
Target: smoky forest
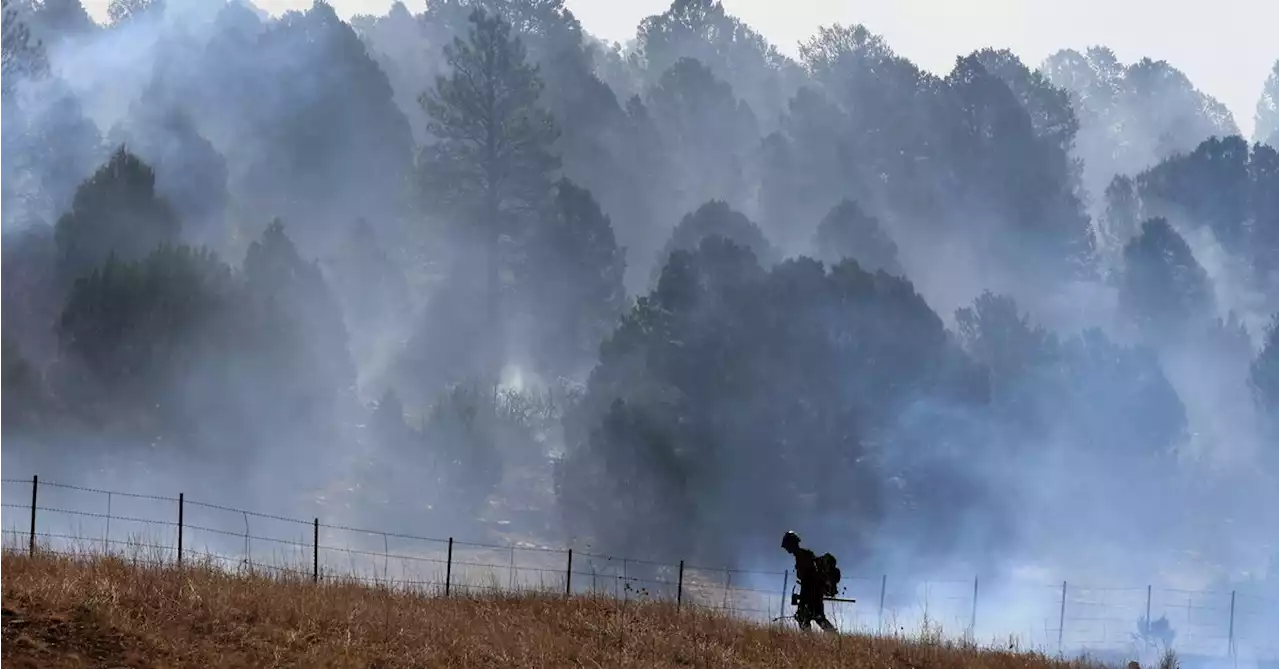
<point>466,269</point>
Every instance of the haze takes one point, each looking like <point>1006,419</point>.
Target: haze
<point>1213,42</point>
<point>953,297</point>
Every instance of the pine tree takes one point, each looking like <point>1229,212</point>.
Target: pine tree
<point>849,232</point>
<point>293,289</point>
<point>575,270</point>
<point>123,11</point>
<point>57,20</point>
<point>1163,289</point>
<point>1266,121</point>
<point>491,161</point>
<point>21,55</point>
<point>1263,373</point>
<point>116,212</point>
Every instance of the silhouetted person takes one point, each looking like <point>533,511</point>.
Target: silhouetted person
<point>810,607</point>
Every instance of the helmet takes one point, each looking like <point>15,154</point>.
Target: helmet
<point>790,540</point>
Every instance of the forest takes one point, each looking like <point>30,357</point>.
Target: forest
<point>665,298</point>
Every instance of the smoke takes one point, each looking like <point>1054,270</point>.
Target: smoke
<point>908,421</point>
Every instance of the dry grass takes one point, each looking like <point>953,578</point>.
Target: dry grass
<point>96,611</point>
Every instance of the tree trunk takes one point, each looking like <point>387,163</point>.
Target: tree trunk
<point>495,339</point>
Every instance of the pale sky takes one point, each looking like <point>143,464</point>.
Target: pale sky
<point>1226,47</point>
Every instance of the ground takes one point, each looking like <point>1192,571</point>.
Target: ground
<point>92,611</point>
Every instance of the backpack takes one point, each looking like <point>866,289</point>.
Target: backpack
<point>830,574</point>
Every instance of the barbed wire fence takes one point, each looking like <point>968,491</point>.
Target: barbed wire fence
<point>1062,617</point>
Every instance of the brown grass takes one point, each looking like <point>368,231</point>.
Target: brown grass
<point>96,611</point>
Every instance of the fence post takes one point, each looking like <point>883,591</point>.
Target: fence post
<point>1062,615</point>
<point>315,550</point>
<point>181,505</point>
<point>973,615</point>
<point>1147,630</point>
<point>106,537</point>
<point>35,488</point>
<point>1231,627</point>
<point>568,574</point>
<point>680,586</point>
<point>782,605</point>
<point>448,568</point>
<point>884,580</point>
<point>728,584</point>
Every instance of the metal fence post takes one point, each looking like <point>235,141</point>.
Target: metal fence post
<point>448,568</point>
<point>884,580</point>
<point>568,575</point>
<point>1231,627</point>
<point>680,586</point>
<point>35,489</point>
<point>973,615</point>
<point>1062,615</point>
<point>181,505</point>
<point>315,550</point>
<point>1146,632</point>
<point>106,536</point>
<point>728,584</point>
<point>782,605</point>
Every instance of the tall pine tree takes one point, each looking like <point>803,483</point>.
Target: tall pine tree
<point>491,162</point>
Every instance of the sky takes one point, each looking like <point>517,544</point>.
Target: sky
<point>1226,47</point>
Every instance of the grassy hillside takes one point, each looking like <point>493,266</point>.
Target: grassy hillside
<point>109,612</point>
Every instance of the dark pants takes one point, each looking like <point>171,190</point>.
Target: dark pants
<point>811,610</point>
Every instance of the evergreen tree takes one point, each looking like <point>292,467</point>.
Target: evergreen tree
<point>849,232</point>
<point>57,20</point>
<point>31,292</point>
<point>295,296</point>
<point>998,336</point>
<point>1163,289</point>
<point>371,289</point>
<point>319,138</point>
<point>190,173</point>
<point>117,212</point>
<point>122,11</point>
<point>1266,120</point>
<point>709,132</point>
<point>1120,223</point>
<point>462,432</point>
<point>389,427</point>
<point>1206,187</point>
<point>739,386</point>
<point>716,218</point>
<point>491,161</point>
<point>702,30</point>
<point>65,149</point>
<point>21,55</point>
<point>575,270</point>
<point>23,389</point>
<point>1263,373</point>
<point>135,333</point>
